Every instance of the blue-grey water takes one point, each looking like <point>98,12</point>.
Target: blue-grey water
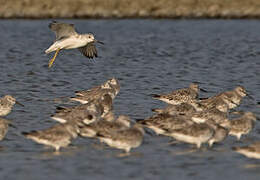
<point>147,56</point>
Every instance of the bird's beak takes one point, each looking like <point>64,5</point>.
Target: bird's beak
<point>19,103</point>
<point>13,126</point>
<point>100,42</point>
<point>203,90</point>
<point>250,97</point>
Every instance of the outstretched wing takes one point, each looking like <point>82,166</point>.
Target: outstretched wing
<point>62,29</point>
<point>89,50</point>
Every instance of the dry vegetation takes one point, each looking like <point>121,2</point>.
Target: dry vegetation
<point>129,8</point>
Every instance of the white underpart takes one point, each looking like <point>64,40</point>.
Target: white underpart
<point>61,120</point>
<point>191,139</point>
<point>249,154</point>
<point>198,120</point>
<point>82,101</point>
<point>156,129</point>
<point>5,111</point>
<point>68,43</point>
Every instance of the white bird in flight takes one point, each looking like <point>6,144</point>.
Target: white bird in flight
<point>68,38</point>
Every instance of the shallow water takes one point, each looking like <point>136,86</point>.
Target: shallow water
<point>147,56</point>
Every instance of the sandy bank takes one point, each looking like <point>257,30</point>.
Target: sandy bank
<point>129,8</point>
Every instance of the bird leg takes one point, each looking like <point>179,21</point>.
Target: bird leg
<point>54,57</point>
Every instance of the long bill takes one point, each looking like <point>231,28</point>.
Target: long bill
<point>19,103</point>
<point>100,42</point>
<point>54,57</point>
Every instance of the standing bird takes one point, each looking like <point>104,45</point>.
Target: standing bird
<point>179,96</point>
<point>57,136</point>
<point>125,139</point>
<point>242,125</point>
<point>68,38</point>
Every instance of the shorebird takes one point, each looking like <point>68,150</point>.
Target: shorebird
<point>4,124</point>
<point>57,136</point>
<point>219,103</point>
<point>6,104</point>
<point>88,113</point>
<point>110,87</point>
<point>162,123</point>
<point>125,139</point>
<point>242,125</point>
<point>109,84</point>
<point>91,130</point>
<point>220,133</point>
<point>179,96</point>
<point>214,114</point>
<point>193,134</point>
<point>231,98</point>
<point>68,38</point>
<point>181,109</point>
<point>251,151</point>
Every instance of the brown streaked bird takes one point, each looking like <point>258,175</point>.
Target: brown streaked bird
<point>179,96</point>
<point>181,109</point>
<point>68,38</point>
<point>110,87</point>
<point>231,98</point>
<point>214,114</point>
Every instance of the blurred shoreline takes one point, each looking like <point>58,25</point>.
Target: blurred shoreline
<point>37,9</point>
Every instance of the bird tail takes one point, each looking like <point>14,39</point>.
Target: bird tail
<point>140,121</point>
<point>155,95</point>
<point>157,110</point>
<point>29,134</point>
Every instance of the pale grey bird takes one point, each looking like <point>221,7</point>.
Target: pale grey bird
<point>193,134</point>
<point>125,139</point>
<point>250,151</point>
<point>242,125</point>
<point>57,136</point>
<point>88,113</point>
<point>6,104</point>
<point>91,130</point>
<point>220,133</point>
<point>68,38</point>
<point>162,123</point>
<point>4,124</point>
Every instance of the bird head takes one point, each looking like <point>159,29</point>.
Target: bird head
<point>10,99</point>
<point>89,38</point>
<point>241,91</point>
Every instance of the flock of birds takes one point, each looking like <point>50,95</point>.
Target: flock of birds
<point>186,118</point>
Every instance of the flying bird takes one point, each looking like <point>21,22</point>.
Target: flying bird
<point>68,38</point>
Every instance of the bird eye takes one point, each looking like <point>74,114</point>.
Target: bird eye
<point>90,117</point>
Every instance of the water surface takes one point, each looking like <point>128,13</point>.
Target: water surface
<point>147,56</point>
